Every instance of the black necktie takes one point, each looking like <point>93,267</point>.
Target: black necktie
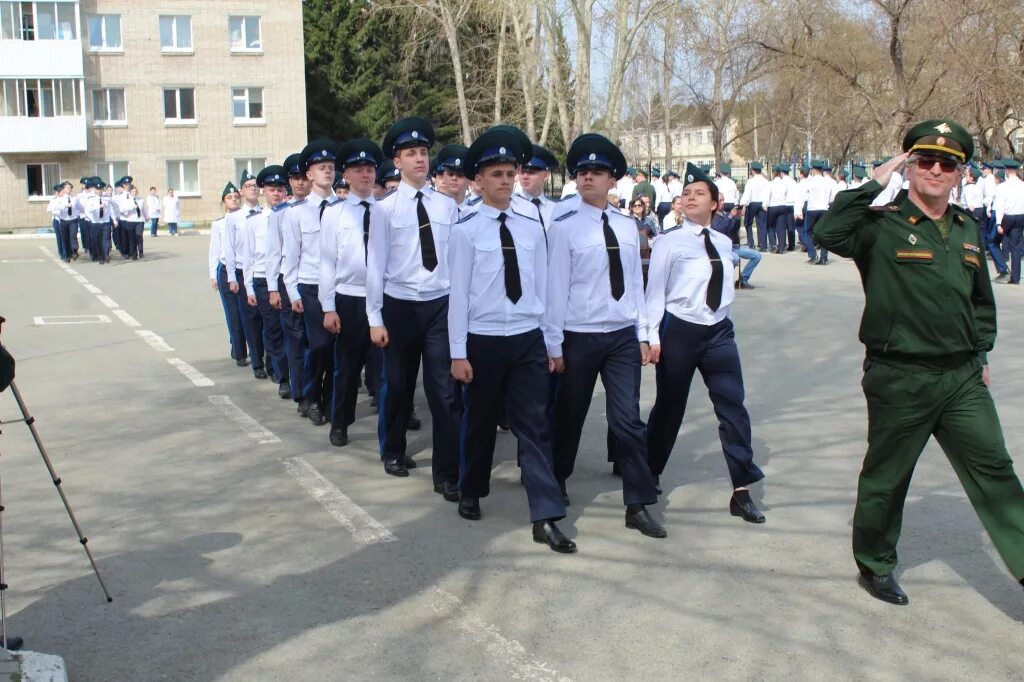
<point>101,209</point>
<point>540,214</point>
<point>714,297</point>
<point>323,205</point>
<point>614,260</point>
<point>513,285</point>
<point>69,207</point>
<point>427,250</point>
<point>366,229</point>
<point>138,209</point>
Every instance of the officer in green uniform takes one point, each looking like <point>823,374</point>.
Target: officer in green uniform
<point>929,320</point>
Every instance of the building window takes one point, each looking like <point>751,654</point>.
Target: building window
<point>41,177</point>
<point>111,171</point>
<point>183,177</point>
<point>245,34</point>
<point>247,104</point>
<point>176,33</point>
<point>104,32</point>
<point>252,165</point>
<point>38,21</point>
<point>108,106</point>
<point>179,105</point>
<point>40,97</point>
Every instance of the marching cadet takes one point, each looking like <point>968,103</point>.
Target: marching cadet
<point>625,187</point>
<point>69,220</point>
<point>533,176</point>
<point>451,163</point>
<point>789,217</point>
<point>777,209</point>
<point>662,195</point>
<point>1008,207</point>
<point>344,238</point>
<point>973,201</point>
<point>233,245</point>
<point>498,263</point>
<point>300,266</point>
<point>818,190</point>
<point>929,322</point>
<point>596,324</point>
<point>726,187</point>
<point>220,280</point>
<point>133,219</point>
<point>860,174</point>
<point>689,297</point>
<point>273,180</point>
<point>99,212</point>
<point>754,204</point>
<point>277,293</point>
<point>407,290</point>
<point>55,207</point>
<point>85,222</point>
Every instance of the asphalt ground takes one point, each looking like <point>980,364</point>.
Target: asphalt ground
<point>239,545</point>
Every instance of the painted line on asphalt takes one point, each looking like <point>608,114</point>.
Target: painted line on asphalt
<point>21,260</point>
<point>363,527</point>
<point>81,279</point>
<point>154,340</point>
<point>249,426</point>
<point>190,372</point>
<point>93,289</point>
<point>69,319</point>
<point>508,651</point>
<point>126,318</point>
<point>107,301</point>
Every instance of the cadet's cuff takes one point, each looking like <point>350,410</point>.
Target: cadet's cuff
<point>983,356</point>
<point>458,351</point>
<point>555,350</point>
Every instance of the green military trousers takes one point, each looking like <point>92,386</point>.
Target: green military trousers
<point>906,405</point>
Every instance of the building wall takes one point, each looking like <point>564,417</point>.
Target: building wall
<point>143,70</point>
<point>692,144</point>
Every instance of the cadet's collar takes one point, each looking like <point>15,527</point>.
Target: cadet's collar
<point>589,211</point>
<point>315,196</point>
<point>492,212</point>
<point>409,192</point>
<point>529,197</point>
<point>693,227</point>
<point>354,198</point>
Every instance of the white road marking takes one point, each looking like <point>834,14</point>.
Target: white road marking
<point>22,260</point>
<point>154,341</point>
<point>107,301</point>
<point>510,652</point>
<point>81,279</point>
<point>126,318</point>
<point>71,270</point>
<point>190,372</point>
<point>355,519</point>
<point>93,289</point>
<point>243,421</point>
<point>70,319</point>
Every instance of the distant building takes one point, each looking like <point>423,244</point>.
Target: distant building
<point>181,94</point>
<point>646,147</point>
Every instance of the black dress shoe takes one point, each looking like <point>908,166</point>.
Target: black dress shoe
<point>303,408</point>
<point>741,505</point>
<point>657,484</point>
<point>546,532</point>
<point>242,362</point>
<point>260,373</point>
<point>409,462</point>
<point>746,285</point>
<point>284,391</point>
<point>316,415</point>
<point>373,401</point>
<point>615,469</point>
<point>339,436</point>
<point>638,518</point>
<point>565,495</point>
<point>414,423</point>
<point>448,490</point>
<point>395,467</point>
<point>469,508</point>
<point>822,262</point>
<point>884,587</point>
<point>1000,277</point>
<point>14,643</point>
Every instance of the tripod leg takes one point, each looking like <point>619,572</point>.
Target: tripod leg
<point>30,421</point>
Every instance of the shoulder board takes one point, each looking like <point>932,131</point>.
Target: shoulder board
<point>890,208</point>
<point>280,207</point>
<point>523,215</point>
<point>474,201</point>
<point>253,215</point>
<point>334,202</point>
<point>568,196</point>
<point>960,213</point>
<point>465,218</point>
<point>300,201</point>
<point>565,215</point>
<point>389,193</point>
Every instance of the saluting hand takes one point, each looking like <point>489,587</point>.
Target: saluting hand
<point>884,172</point>
<point>332,322</point>
<point>462,371</point>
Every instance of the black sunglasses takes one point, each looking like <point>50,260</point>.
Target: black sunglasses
<point>926,163</point>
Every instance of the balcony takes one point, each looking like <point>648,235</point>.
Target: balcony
<point>41,59</point>
<point>22,134</point>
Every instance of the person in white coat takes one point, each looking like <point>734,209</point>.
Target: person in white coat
<point>172,212</point>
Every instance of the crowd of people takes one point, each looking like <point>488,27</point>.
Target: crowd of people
<point>379,264</point>
<point>100,216</point>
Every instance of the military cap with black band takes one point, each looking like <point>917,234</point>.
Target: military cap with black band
<point>293,164</point>
<point>317,151</point>
<point>495,146</point>
<point>452,158</point>
<point>272,176</point>
<point>591,150</point>
<point>409,132</point>
<point>360,152</point>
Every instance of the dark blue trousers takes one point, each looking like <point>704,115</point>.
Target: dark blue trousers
<point>68,236</point>
<point>996,246</point>
<point>789,218</point>
<point>1013,231</point>
<point>319,360</point>
<point>685,348</point>
<point>252,323</point>
<point>236,333</point>
<point>133,235</point>
<point>295,343</point>
<point>776,228</point>
<point>273,336</point>
<point>101,237</point>
<point>350,353</point>
<point>615,356</point>
<point>61,249</point>
<point>810,219</point>
<point>85,227</point>
<point>755,212</point>
<point>419,329</point>
<point>510,372</point>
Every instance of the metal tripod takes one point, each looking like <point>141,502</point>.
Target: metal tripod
<point>30,421</point>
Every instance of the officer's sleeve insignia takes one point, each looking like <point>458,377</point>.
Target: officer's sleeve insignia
<point>972,247</point>
<point>972,259</point>
<point>912,239</point>
<point>565,215</point>
<point>280,207</point>
<point>913,220</point>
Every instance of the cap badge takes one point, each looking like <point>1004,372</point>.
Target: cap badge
<point>415,134</point>
<point>323,152</point>
<point>458,162</point>
<point>593,157</point>
<point>912,240</point>
<point>940,140</point>
<point>501,150</point>
<point>689,178</point>
<point>943,128</point>
<point>362,155</point>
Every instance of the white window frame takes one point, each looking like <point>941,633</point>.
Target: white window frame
<point>47,186</point>
<point>110,171</point>
<point>56,94</point>
<point>246,100</point>
<point>109,122</point>
<point>104,47</point>
<point>253,165</point>
<point>242,21</point>
<point>178,121</point>
<point>10,12</point>
<point>179,183</point>
<point>175,48</point>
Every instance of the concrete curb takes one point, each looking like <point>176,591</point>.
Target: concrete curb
<point>31,666</point>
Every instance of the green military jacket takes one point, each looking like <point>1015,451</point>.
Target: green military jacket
<point>924,297</point>
<point>645,188</point>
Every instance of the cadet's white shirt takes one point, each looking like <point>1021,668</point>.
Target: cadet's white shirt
<point>837,187</point>
<point>275,246</point>
<point>216,252</point>
<point>95,208</point>
<point>172,209</point>
<point>819,191</point>
<point>395,263</point>
<point>153,206</point>
<point>624,187</point>
<point>300,237</point>
<point>988,189</point>
<point>234,237</point>
<point>1009,199</point>
<point>972,197</point>
<point>524,204</point>
<point>675,188</point>
<point>570,188</point>
<point>343,257</point>
<point>67,202</point>
<point>79,203</point>
<point>662,193</point>
<point>670,220</point>
<point>129,208</point>
<point>254,249</point>
<point>678,277</point>
<point>479,303</point>
<point>579,296</point>
<point>756,191</point>
<point>778,190</point>
<point>727,188</point>
<point>55,207</point>
<point>890,191</point>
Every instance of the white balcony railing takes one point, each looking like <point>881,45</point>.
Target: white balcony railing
<point>41,59</point>
<point>21,134</point>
